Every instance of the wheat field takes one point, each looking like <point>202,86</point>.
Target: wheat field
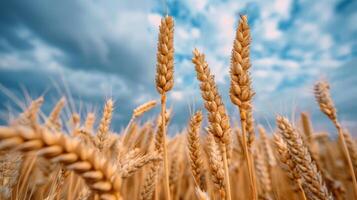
<point>49,157</point>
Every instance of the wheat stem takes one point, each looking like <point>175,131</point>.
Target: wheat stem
<point>166,162</point>
<point>226,171</point>
<point>249,162</point>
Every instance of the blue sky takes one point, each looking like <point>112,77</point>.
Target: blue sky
<point>93,50</point>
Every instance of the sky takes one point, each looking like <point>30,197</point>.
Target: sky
<point>93,50</point>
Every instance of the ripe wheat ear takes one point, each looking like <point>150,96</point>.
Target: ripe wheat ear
<point>98,172</point>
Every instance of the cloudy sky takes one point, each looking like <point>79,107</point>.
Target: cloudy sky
<point>92,50</point>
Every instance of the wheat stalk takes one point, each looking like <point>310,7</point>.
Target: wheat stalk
<point>352,147</point>
<point>323,98</point>
<point>165,81</point>
<point>241,92</point>
<point>217,116</point>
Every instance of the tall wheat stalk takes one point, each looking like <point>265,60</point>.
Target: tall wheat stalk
<point>241,93</point>
<point>323,98</point>
<point>165,81</point>
<point>217,116</point>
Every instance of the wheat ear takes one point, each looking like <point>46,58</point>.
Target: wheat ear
<point>102,134</point>
<point>289,166</point>
<point>54,120</point>
<point>133,165</point>
<point>165,81</point>
<point>313,182</point>
<point>216,165</point>
<point>323,98</point>
<point>29,116</point>
<point>217,115</point>
<point>194,148</point>
<point>150,182</point>
<point>98,172</point>
<point>140,110</point>
<point>241,92</point>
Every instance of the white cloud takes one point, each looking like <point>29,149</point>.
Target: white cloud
<point>344,50</point>
<point>283,7</point>
<point>271,30</point>
<point>13,62</point>
<point>177,95</point>
<point>269,62</point>
<point>154,19</point>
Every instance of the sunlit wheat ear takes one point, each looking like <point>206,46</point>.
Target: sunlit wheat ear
<point>133,165</point>
<point>97,171</point>
<point>323,98</point>
<point>150,182</point>
<point>165,56</point>
<point>104,125</point>
<point>53,120</point>
<point>288,164</point>
<point>314,185</point>
<point>217,115</point>
<point>159,132</point>
<point>194,148</point>
<point>140,110</point>
<point>241,92</point>
<point>216,165</point>
<point>29,116</point>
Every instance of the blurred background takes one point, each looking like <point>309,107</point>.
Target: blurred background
<point>92,50</point>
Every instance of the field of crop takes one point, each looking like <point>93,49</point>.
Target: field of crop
<point>44,156</point>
